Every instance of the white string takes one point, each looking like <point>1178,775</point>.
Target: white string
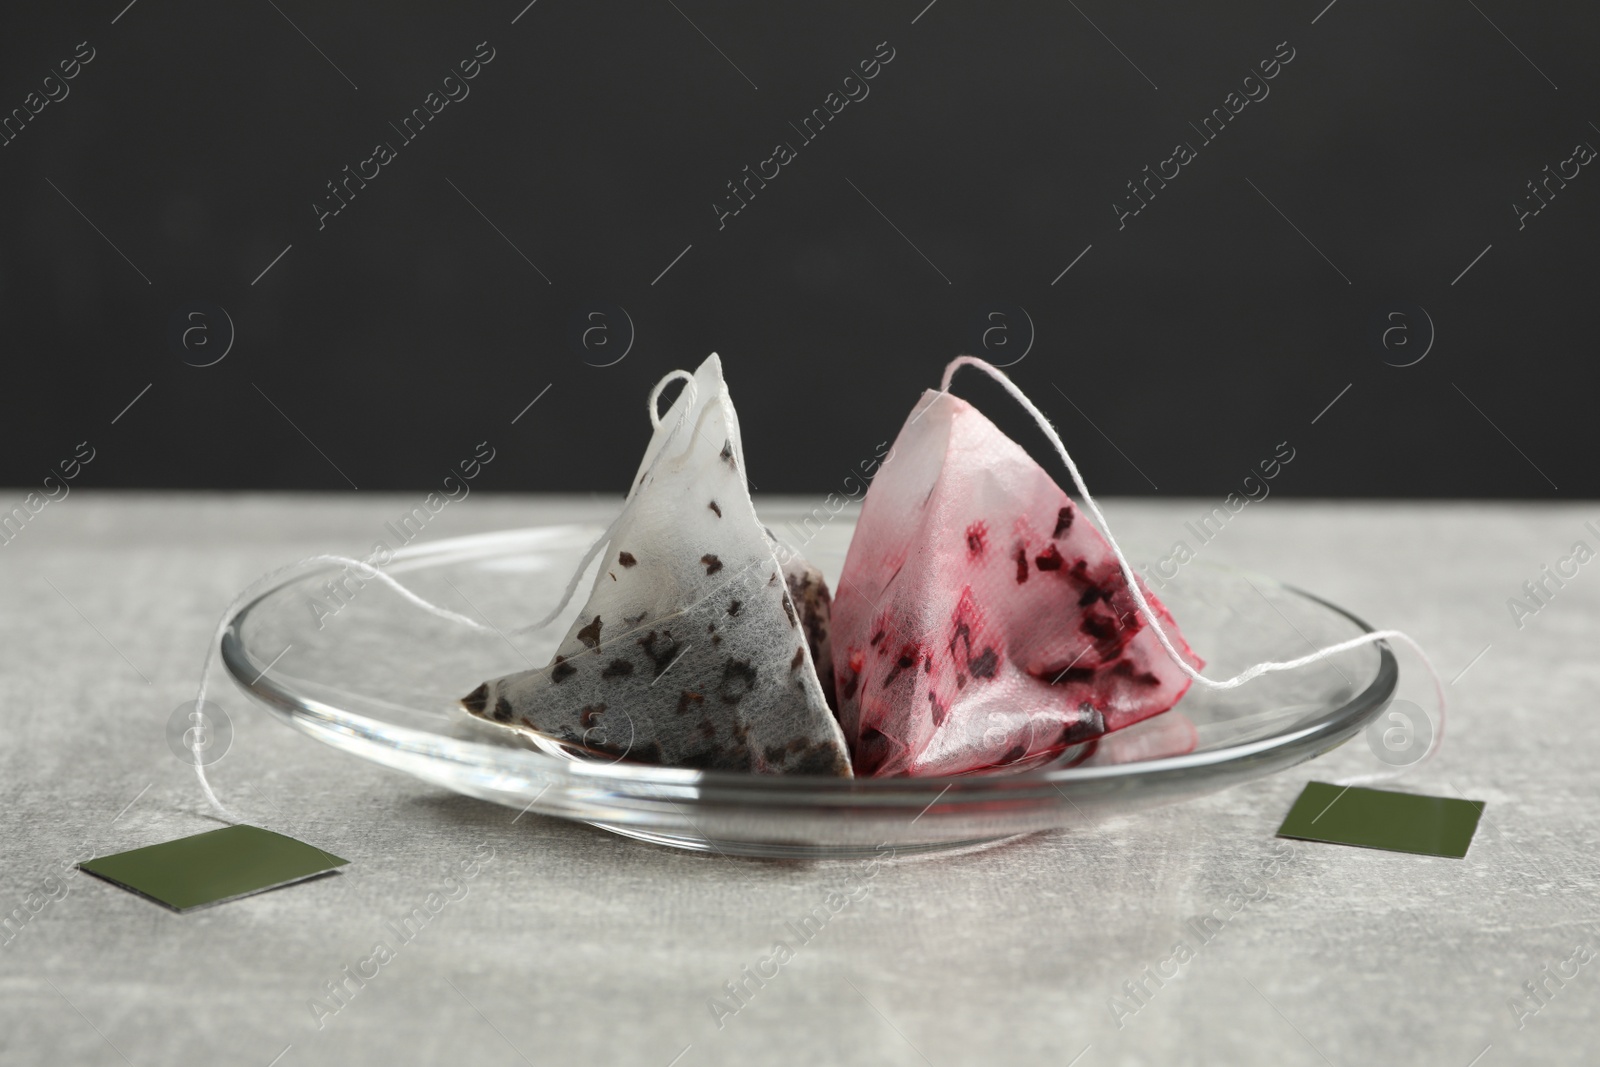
<point>655,394</point>
<point>222,809</point>
<point>426,605</point>
<point>572,583</point>
<point>604,539</point>
<point>250,590</point>
<point>1149,615</point>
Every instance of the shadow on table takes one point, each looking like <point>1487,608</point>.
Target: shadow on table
<point>564,838</point>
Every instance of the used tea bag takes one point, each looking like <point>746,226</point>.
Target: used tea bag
<point>980,620</point>
<point>699,642</point>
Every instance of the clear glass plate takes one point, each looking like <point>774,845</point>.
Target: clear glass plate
<point>375,676</point>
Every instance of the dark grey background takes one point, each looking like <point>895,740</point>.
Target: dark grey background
<point>379,350</point>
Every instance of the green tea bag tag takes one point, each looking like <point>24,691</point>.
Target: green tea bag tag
<point>1377,818</point>
<point>212,867</point>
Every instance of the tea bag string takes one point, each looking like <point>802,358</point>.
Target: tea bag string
<point>1143,603</point>
<point>687,378</point>
<point>363,568</point>
<point>366,571</point>
<point>692,393</point>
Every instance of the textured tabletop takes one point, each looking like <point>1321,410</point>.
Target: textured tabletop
<point>574,946</point>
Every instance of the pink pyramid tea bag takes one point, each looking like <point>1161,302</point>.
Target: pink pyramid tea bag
<point>981,621</point>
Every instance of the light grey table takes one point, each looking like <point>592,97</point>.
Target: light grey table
<point>573,946</point>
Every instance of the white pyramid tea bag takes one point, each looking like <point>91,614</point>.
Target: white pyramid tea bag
<point>699,644</point>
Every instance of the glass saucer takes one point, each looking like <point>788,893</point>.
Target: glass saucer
<point>356,666</point>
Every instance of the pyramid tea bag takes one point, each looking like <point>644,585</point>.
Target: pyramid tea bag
<point>980,620</point>
<point>699,644</point>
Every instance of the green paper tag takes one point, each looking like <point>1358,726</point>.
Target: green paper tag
<point>217,865</point>
<point>1377,818</point>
